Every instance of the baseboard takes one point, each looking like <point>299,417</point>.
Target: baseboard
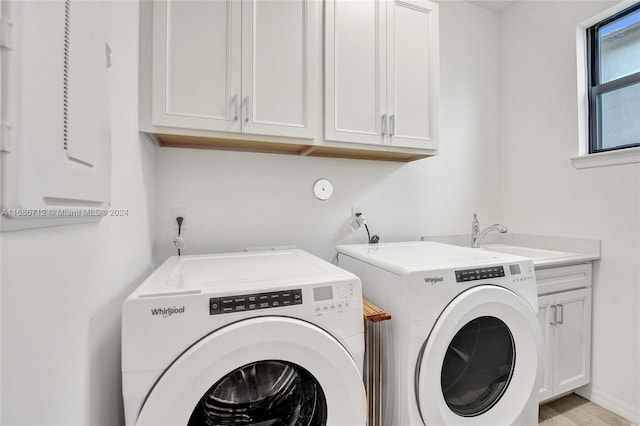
<point>611,403</point>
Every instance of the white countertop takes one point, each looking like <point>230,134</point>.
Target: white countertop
<point>545,251</point>
<point>541,258</point>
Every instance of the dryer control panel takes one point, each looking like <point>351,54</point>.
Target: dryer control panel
<point>254,301</point>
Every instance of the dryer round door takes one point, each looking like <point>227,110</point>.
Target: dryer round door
<point>260,371</point>
<point>479,365</point>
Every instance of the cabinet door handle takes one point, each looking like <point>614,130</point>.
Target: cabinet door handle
<point>246,109</point>
<point>384,124</point>
<point>234,101</point>
<point>561,314</point>
<point>392,119</point>
<point>554,315</point>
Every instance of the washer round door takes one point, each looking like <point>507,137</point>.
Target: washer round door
<point>260,371</point>
<point>479,365</point>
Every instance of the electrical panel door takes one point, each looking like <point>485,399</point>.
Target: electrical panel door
<point>55,112</point>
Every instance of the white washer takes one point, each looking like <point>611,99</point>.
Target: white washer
<point>248,338</point>
<point>465,346</point>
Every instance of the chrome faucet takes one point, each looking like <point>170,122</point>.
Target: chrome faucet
<point>477,235</point>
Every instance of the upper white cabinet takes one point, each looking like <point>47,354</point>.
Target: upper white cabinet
<point>248,75</point>
<point>236,66</point>
<point>196,64</point>
<point>382,72</point>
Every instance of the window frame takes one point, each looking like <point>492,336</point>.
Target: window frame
<point>595,88</point>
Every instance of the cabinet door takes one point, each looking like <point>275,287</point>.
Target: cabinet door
<point>572,340</point>
<point>279,67</point>
<point>546,318</point>
<point>355,70</point>
<point>413,73</point>
<point>196,64</point>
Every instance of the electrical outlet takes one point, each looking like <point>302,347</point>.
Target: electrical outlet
<point>179,212</point>
<point>356,218</point>
<point>179,243</point>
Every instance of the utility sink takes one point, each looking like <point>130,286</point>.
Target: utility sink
<point>545,251</point>
<point>532,253</point>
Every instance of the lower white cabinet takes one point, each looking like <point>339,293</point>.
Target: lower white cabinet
<point>565,318</point>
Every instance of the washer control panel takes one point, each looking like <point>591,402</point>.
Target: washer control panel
<point>254,301</point>
<point>333,298</point>
<point>479,274</point>
<point>514,272</point>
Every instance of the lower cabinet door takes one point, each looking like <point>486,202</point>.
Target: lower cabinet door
<point>565,320</point>
<point>546,319</point>
<point>572,340</point>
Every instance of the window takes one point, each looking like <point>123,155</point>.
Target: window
<point>614,81</point>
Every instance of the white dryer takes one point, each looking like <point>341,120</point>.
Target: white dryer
<point>465,346</point>
<point>267,338</point>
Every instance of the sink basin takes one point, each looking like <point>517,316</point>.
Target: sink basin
<point>531,253</point>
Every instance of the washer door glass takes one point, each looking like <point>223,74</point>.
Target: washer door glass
<point>478,366</point>
<point>265,393</point>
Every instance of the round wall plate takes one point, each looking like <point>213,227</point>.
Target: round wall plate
<point>323,189</point>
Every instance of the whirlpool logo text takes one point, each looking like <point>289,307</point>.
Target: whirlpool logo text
<point>167,312</point>
<point>433,280</point>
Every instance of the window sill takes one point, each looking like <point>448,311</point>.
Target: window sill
<point>611,158</point>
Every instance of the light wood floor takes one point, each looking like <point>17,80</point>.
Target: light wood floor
<point>573,410</point>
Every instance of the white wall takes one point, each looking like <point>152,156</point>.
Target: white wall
<point>544,194</point>
<point>237,200</point>
<point>62,288</point>
<point>60,315</point>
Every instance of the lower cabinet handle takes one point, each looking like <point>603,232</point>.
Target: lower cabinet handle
<point>561,312</point>
<point>384,124</point>
<point>246,109</point>
<point>554,315</point>
<point>234,100</point>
